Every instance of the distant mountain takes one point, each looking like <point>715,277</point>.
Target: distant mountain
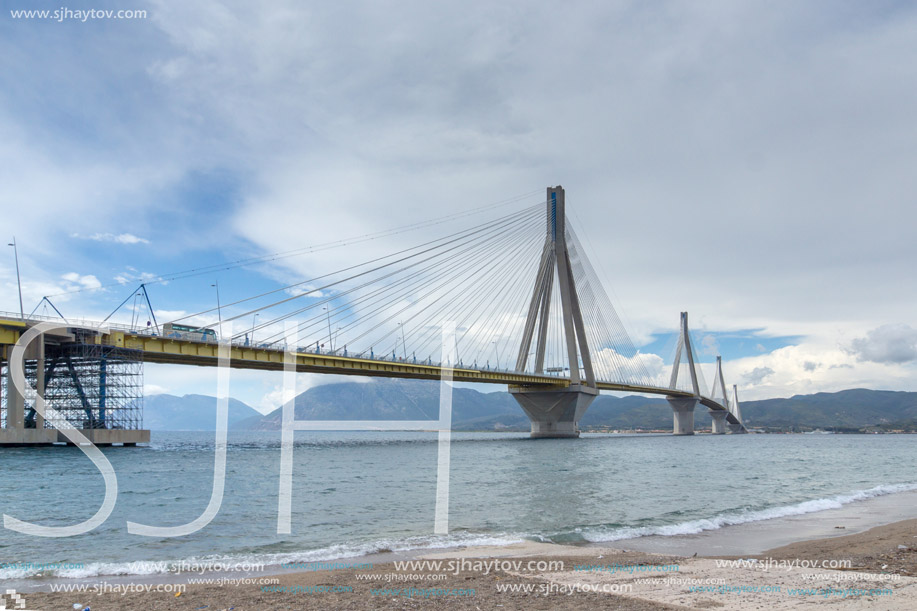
<point>189,413</point>
<point>395,400</point>
<point>849,410</point>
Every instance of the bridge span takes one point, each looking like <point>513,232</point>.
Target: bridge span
<point>88,366</point>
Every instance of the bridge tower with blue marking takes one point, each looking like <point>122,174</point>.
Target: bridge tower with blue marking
<point>556,412</point>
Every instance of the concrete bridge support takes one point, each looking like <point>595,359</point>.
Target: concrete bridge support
<point>683,408</point>
<point>15,432</point>
<point>82,370</point>
<point>719,421</point>
<point>555,413</point>
<point>15,403</point>
<point>736,429</point>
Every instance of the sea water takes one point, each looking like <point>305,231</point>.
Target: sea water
<point>356,493</point>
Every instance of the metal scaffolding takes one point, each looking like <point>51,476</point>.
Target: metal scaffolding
<point>91,386</point>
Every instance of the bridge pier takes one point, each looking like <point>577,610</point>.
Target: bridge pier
<point>719,421</point>
<point>736,428</point>
<point>15,403</point>
<point>97,388</point>
<point>555,413</point>
<point>683,410</point>
<point>15,432</point>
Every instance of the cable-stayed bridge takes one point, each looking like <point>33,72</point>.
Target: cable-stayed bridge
<point>528,308</point>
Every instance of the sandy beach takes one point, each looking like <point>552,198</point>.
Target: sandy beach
<point>875,569</point>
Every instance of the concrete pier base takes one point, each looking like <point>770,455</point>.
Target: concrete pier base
<point>736,429</point>
<point>107,437</point>
<point>719,421</point>
<point>99,437</point>
<point>683,409</point>
<point>27,437</point>
<point>555,413</point>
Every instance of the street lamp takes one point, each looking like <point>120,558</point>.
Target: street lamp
<point>330,342</point>
<point>253,327</point>
<point>18,281</point>
<point>134,318</point>
<point>219,312</point>
<point>404,346</point>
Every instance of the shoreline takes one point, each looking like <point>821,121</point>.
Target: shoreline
<point>743,539</point>
<point>872,531</point>
<point>876,569</point>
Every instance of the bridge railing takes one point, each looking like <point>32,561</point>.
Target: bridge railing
<point>280,345</point>
<point>241,342</point>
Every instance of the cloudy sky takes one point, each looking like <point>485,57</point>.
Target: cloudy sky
<point>749,162</point>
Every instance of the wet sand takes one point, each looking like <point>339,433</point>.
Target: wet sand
<point>879,572</point>
<point>756,537</point>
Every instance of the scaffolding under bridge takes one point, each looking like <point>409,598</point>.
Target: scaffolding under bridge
<point>95,388</point>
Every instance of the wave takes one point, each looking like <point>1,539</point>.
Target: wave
<point>453,540</point>
<point>237,561</point>
<point>692,527</point>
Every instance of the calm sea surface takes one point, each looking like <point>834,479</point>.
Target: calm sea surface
<point>356,493</point>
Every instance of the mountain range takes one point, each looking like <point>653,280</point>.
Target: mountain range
<point>857,410</point>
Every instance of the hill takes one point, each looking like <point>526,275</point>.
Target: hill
<point>189,413</point>
<point>849,410</point>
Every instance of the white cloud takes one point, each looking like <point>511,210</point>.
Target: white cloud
<point>340,121</point>
<point>757,375</point>
<point>813,366</point>
<point>155,389</point>
<point>709,345</point>
<point>116,238</point>
<point>622,368</point>
<point>87,282</point>
<point>893,343</point>
<point>121,238</point>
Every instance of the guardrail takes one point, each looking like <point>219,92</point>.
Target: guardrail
<point>278,346</point>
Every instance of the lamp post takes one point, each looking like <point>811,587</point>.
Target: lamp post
<point>253,327</point>
<point>404,346</point>
<point>216,285</point>
<point>330,342</point>
<point>18,280</point>
<point>134,318</point>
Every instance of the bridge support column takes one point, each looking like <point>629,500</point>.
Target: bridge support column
<point>15,403</point>
<point>683,408</point>
<point>40,379</point>
<point>719,421</point>
<point>736,429</point>
<point>555,413</point>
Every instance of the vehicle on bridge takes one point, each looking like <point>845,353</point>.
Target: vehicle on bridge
<point>191,332</point>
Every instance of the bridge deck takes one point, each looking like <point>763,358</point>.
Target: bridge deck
<point>176,351</point>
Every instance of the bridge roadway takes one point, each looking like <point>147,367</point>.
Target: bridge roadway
<point>180,351</point>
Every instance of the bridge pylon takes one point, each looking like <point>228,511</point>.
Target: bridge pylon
<point>683,407</point>
<point>737,428</point>
<point>556,413</point>
<point>719,386</point>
